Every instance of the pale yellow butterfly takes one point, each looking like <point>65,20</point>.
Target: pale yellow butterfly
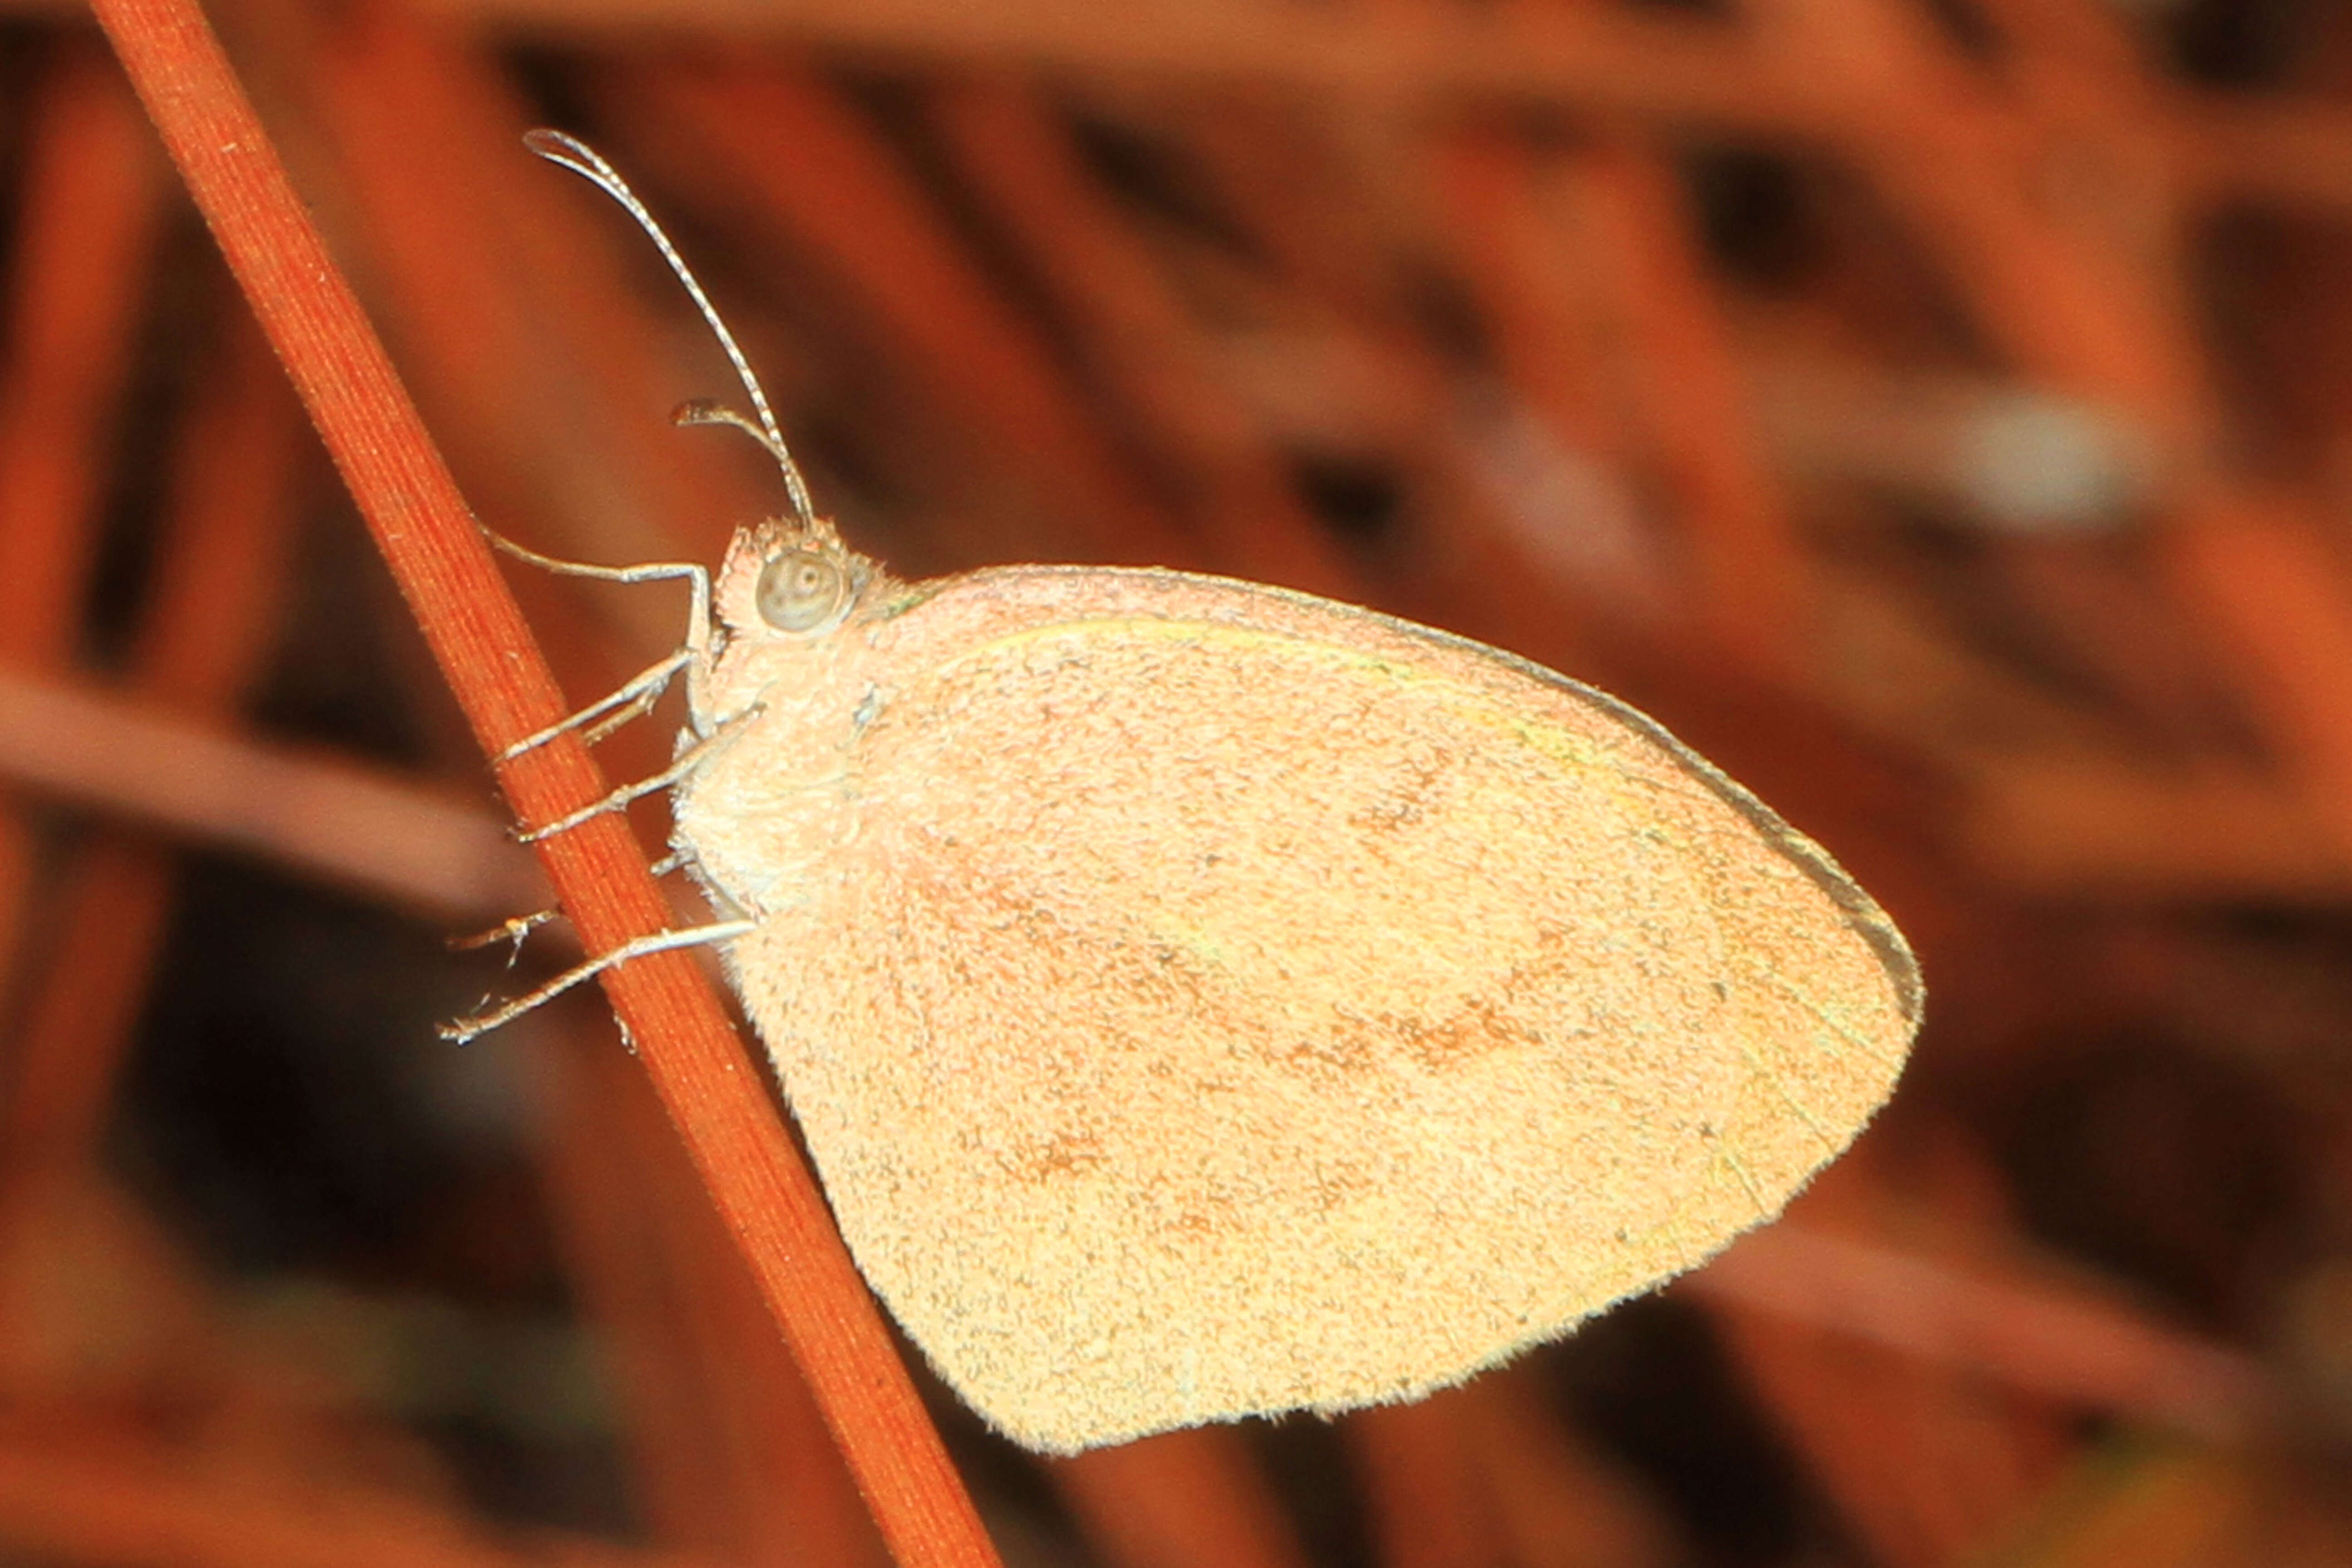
<point>1203,999</point>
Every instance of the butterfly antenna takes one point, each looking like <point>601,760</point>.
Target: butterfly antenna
<point>585,161</point>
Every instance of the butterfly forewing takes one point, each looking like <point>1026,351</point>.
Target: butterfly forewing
<point>1203,999</point>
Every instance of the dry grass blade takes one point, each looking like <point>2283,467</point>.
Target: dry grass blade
<point>483,647</point>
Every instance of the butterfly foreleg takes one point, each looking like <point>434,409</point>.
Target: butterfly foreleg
<point>640,693</point>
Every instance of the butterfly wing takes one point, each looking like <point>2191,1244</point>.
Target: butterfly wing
<point>1214,1000</point>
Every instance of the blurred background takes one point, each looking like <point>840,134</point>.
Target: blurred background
<point>1939,412</point>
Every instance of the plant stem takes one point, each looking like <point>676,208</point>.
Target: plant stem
<point>713,1093</point>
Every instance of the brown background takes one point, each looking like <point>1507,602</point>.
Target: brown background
<point>1939,414</point>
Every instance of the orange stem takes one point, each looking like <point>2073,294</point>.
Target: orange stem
<point>436,554</point>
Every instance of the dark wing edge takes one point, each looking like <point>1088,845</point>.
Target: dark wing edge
<point>1862,911</point>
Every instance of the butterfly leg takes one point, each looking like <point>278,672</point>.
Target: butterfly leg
<point>480,1023</point>
<point>694,576</point>
<point>521,926</point>
<point>606,714</point>
<point>686,760</point>
<point>640,694</point>
<point>514,930</point>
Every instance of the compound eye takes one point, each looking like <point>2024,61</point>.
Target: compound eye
<point>801,590</point>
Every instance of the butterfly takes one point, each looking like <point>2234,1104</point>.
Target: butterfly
<point>1202,999</point>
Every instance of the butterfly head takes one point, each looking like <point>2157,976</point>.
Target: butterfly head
<point>786,581</point>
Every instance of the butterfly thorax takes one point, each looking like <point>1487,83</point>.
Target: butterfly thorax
<point>776,691</point>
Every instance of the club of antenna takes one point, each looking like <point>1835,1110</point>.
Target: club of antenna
<point>585,161</point>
